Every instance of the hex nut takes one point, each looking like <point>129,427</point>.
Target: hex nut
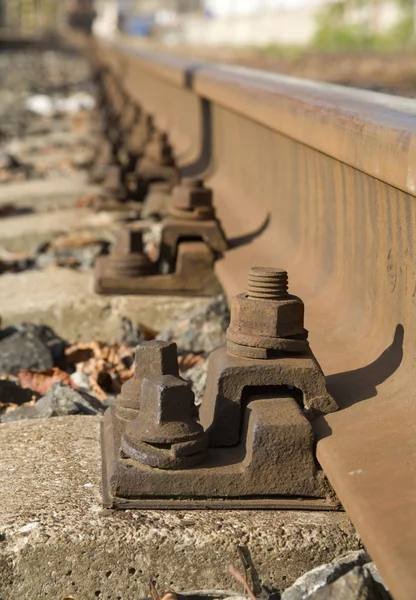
<point>275,319</point>
<point>158,149</point>
<point>128,241</point>
<point>127,257</point>
<point>191,194</point>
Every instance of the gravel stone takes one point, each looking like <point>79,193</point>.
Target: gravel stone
<point>83,257</point>
<point>375,574</point>
<point>131,334</point>
<point>203,329</point>
<point>317,584</point>
<point>28,346</point>
<point>357,584</point>
<point>81,380</point>
<point>23,413</point>
<point>60,401</point>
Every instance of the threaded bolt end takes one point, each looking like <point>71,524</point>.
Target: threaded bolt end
<point>267,283</point>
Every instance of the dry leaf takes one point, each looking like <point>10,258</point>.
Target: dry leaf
<point>147,332</point>
<point>42,381</point>
<point>107,365</point>
<point>96,389</point>
<point>75,240</point>
<point>78,353</point>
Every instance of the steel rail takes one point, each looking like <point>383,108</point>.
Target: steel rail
<point>320,180</point>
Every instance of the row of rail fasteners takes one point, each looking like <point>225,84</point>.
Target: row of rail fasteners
<point>135,163</point>
<point>252,445</point>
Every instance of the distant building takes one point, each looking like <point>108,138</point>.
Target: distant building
<point>231,8</point>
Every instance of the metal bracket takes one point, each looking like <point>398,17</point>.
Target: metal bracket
<point>193,275</point>
<point>253,446</point>
<point>191,239</point>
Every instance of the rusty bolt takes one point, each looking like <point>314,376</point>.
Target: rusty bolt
<point>267,316</point>
<point>191,199</point>
<point>153,359</point>
<point>128,258</point>
<point>165,434</point>
<point>159,150</point>
<point>191,194</point>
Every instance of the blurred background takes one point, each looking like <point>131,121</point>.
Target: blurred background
<point>322,24</point>
<point>354,42</point>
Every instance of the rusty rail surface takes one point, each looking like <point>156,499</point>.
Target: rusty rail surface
<point>320,180</point>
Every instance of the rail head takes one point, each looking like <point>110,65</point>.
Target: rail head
<point>372,132</point>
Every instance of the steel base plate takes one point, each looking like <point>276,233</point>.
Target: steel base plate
<point>194,276</point>
<point>111,463</point>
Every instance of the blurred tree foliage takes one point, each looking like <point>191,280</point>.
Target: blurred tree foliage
<point>340,29</point>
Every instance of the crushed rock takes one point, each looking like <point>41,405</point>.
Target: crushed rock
<point>350,577</point>
<point>75,250</point>
<point>60,401</point>
<point>203,329</point>
<point>28,346</point>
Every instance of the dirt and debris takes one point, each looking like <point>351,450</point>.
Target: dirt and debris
<point>34,361</point>
<point>12,169</point>
<point>15,262</point>
<point>40,382</point>
<point>34,81</point>
<point>46,103</point>
<point>77,250</point>
<point>351,576</point>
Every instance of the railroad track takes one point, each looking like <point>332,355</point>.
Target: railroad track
<point>318,180</point>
